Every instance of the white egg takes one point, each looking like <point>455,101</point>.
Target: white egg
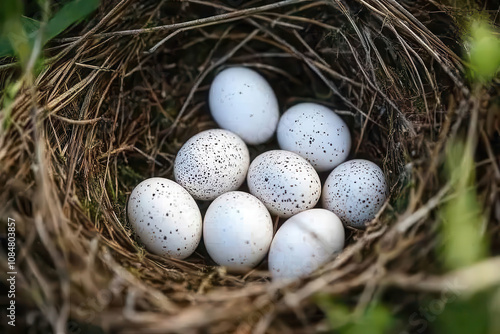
<point>304,243</point>
<point>284,181</point>
<point>211,163</point>
<point>316,133</point>
<point>355,191</point>
<point>165,217</point>
<point>242,101</point>
<point>237,230</point>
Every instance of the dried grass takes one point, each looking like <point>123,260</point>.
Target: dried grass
<point>118,101</point>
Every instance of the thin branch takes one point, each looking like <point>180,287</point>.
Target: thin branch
<point>210,19</point>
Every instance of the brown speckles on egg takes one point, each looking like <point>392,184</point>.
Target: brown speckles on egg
<point>315,133</point>
<point>211,163</point>
<point>158,206</point>
<point>292,183</point>
<point>355,191</point>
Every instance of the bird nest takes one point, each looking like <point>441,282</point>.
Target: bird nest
<point>123,91</point>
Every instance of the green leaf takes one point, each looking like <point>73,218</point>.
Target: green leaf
<point>19,32</point>
<point>13,37</point>
<point>30,25</point>
<point>72,12</point>
<point>9,10</point>
<point>5,47</point>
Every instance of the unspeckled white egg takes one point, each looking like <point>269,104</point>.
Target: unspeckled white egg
<point>355,191</point>
<point>237,230</point>
<point>284,181</point>
<point>304,243</point>
<point>316,133</point>
<point>165,217</point>
<point>242,101</point>
<point>211,163</point>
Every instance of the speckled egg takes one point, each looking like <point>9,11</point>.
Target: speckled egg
<point>304,243</point>
<point>284,181</point>
<point>242,101</point>
<point>355,191</point>
<point>316,133</point>
<point>165,217</point>
<point>211,163</point>
<point>237,230</point>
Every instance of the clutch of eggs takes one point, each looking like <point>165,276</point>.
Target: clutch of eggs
<point>237,227</point>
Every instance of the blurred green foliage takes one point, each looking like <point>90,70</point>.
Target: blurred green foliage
<point>449,312</point>
<point>484,51</point>
<point>377,319</point>
<point>466,315</point>
<point>18,32</point>
<point>9,94</point>
<point>13,35</point>
<point>462,241</point>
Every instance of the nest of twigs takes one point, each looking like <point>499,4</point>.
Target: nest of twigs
<point>123,92</point>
